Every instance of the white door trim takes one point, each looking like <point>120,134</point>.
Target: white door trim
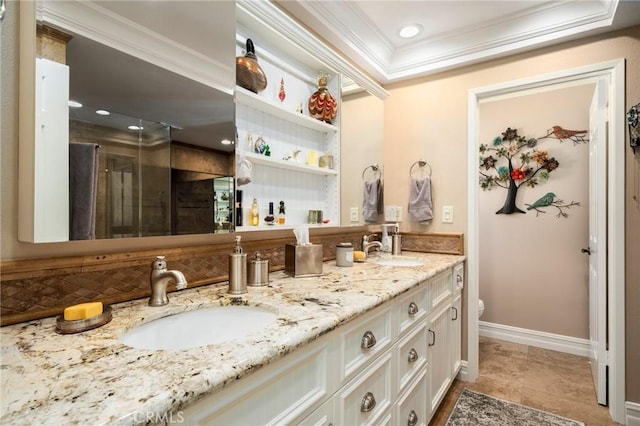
<point>614,72</point>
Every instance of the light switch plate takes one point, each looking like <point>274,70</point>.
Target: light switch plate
<point>354,214</point>
<point>447,214</point>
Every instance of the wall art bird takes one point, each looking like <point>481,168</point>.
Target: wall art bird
<point>576,136</point>
<point>544,201</point>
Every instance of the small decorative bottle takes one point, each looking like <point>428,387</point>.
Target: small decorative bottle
<point>322,104</point>
<point>254,214</point>
<point>281,213</point>
<point>270,219</point>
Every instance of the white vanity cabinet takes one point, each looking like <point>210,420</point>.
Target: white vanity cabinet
<point>278,116</point>
<point>391,365</point>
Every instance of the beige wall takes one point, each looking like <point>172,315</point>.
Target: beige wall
<point>361,143</point>
<point>529,261</point>
<point>426,118</point>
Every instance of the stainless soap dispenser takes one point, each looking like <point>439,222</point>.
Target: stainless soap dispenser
<point>237,270</point>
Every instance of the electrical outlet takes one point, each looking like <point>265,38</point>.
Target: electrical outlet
<point>447,214</point>
<point>354,214</point>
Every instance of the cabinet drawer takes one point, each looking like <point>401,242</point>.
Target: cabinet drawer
<point>411,356</point>
<point>280,393</point>
<point>412,408</point>
<point>440,288</point>
<point>363,340</point>
<point>458,277</point>
<point>412,308</point>
<point>366,400</point>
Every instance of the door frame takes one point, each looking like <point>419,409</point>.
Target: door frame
<point>613,71</point>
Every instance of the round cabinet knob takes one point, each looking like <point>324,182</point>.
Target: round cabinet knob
<point>413,308</point>
<point>413,355</point>
<point>368,402</point>
<point>412,419</point>
<point>368,340</point>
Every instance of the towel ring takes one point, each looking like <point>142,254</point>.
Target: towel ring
<point>373,167</point>
<point>421,164</point>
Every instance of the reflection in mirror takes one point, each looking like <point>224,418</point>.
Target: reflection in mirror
<point>166,145</point>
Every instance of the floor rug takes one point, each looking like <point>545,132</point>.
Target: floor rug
<point>473,408</point>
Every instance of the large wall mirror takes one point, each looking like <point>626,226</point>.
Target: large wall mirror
<point>151,131</point>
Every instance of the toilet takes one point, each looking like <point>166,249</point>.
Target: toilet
<point>480,307</point>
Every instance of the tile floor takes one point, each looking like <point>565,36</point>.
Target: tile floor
<point>552,381</point>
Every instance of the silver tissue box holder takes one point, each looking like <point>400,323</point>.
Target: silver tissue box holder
<point>303,260</point>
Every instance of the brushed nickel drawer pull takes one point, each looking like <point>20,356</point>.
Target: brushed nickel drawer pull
<point>456,311</point>
<point>368,402</point>
<point>433,335</point>
<point>413,355</point>
<point>413,308</point>
<point>413,419</point>
<point>368,340</point>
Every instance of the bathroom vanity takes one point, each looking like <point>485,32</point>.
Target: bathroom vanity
<point>362,344</point>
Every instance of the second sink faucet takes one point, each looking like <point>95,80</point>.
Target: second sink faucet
<point>160,278</point>
<point>367,244</point>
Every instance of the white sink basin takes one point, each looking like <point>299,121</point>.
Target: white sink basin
<point>199,328</point>
<point>400,261</point>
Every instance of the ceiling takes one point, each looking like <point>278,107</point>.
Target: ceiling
<point>454,33</point>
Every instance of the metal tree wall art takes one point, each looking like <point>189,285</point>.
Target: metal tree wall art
<point>549,200</point>
<point>525,165</point>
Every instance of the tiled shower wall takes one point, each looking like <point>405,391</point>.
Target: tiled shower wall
<point>32,289</point>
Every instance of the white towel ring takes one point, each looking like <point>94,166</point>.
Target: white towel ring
<point>421,164</point>
<point>375,168</point>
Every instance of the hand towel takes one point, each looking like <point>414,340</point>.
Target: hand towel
<point>83,190</point>
<point>373,202</point>
<point>420,203</point>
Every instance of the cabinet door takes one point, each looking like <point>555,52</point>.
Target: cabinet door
<point>438,344</point>
<point>456,335</point>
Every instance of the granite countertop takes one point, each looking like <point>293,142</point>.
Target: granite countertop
<point>92,378</point>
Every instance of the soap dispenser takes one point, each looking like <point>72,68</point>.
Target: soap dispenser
<point>386,239</point>
<point>237,269</point>
<point>396,241</point>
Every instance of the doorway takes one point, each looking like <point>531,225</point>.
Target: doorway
<point>613,72</point>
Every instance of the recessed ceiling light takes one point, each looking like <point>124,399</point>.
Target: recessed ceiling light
<point>226,142</point>
<point>74,104</point>
<point>135,127</point>
<point>409,31</point>
<point>102,112</point>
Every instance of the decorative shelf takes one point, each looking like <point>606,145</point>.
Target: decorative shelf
<point>287,165</point>
<point>245,97</point>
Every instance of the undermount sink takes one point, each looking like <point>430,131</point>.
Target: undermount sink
<point>201,327</point>
<point>400,261</point>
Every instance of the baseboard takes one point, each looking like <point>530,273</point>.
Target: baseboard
<point>540,339</point>
<point>462,373</point>
<point>633,413</point>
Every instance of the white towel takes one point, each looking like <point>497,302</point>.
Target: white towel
<point>372,200</point>
<point>420,203</point>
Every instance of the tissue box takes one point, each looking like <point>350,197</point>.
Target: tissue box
<point>303,260</point>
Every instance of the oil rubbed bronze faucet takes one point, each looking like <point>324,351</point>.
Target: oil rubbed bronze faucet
<point>367,244</point>
<point>160,278</point>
